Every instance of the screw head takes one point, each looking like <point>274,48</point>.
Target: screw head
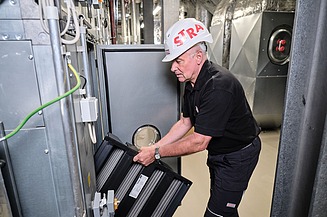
<point>5,36</point>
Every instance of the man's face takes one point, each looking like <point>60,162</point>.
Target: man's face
<point>185,66</point>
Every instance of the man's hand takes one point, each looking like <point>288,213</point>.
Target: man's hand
<point>145,155</point>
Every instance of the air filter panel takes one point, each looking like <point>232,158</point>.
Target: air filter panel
<point>152,191</point>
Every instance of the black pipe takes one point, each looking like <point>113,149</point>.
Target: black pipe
<point>8,175</point>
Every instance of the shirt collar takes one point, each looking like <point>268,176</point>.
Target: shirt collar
<point>202,77</point>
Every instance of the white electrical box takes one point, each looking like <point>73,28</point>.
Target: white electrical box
<point>89,109</point>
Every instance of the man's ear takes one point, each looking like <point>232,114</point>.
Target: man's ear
<point>199,57</point>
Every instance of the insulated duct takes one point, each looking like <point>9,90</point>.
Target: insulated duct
<point>228,10</point>
<point>253,41</point>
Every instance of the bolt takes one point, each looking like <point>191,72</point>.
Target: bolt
<point>42,36</point>
<point>2,163</point>
<point>18,37</point>
<point>30,57</point>
<point>13,2</point>
<point>46,151</point>
<point>5,36</point>
<point>40,112</point>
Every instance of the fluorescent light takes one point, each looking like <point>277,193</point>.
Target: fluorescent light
<point>156,10</point>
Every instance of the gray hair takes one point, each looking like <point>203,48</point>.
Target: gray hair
<point>203,46</point>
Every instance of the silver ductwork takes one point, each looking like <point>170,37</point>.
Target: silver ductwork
<point>248,7</point>
<point>228,10</point>
<point>253,40</point>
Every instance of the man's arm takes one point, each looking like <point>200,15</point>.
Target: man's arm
<point>174,144</point>
<point>178,130</point>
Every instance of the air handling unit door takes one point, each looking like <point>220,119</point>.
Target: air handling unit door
<point>139,90</point>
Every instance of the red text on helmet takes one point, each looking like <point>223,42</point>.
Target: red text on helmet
<point>190,33</point>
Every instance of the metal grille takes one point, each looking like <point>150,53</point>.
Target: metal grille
<point>145,194</point>
<point>128,180</point>
<point>166,199</point>
<point>108,168</point>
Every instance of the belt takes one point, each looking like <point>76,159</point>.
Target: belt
<point>249,144</point>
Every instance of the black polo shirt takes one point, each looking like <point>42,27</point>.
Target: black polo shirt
<point>217,107</point>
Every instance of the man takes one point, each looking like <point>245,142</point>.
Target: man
<point>215,105</point>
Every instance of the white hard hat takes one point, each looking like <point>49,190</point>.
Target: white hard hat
<point>183,35</point>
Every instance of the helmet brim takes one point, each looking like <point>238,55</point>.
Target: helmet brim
<point>168,58</point>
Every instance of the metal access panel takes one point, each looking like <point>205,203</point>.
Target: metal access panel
<point>37,152</point>
<point>260,48</point>
<point>151,191</point>
<point>18,84</point>
<point>140,90</point>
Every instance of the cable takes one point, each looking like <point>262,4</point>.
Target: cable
<point>70,10</point>
<point>43,24</point>
<point>45,105</point>
<point>67,20</point>
<point>77,27</point>
<point>85,81</point>
<point>92,133</point>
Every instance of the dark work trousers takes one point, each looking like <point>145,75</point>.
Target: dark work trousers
<point>229,175</point>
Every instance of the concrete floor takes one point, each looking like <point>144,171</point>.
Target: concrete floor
<point>256,201</point>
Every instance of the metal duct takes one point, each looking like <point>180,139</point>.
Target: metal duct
<point>203,15</point>
<point>228,10</point>
<point>248,7</point>
<point>246,37</point>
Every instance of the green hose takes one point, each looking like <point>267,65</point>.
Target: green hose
<point>45,105</point>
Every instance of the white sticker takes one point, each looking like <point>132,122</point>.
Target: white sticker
<point>138,186</point>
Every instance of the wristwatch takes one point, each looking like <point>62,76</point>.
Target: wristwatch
<point>156,154</point>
